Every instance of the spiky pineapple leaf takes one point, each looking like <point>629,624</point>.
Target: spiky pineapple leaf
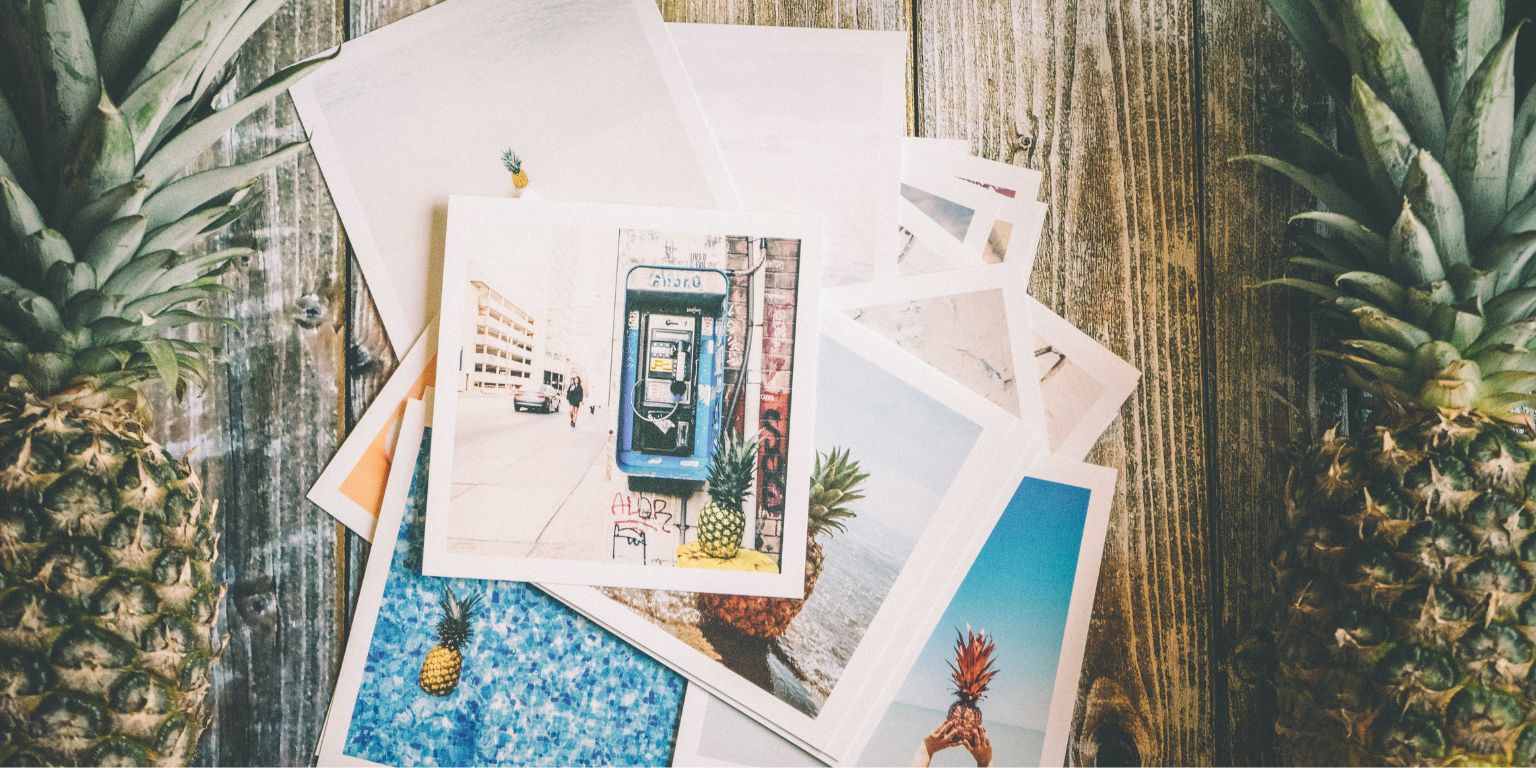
<point>198,21</point>
<point>250,20</point>
<point>185,147</point>
<point>1310,34</point>
<point>147,106</point>
<point>177,234</point>
<point>15,157</point>
<point>1510,307</point>
<point>1374,287</point>
<point>1411,250</point>
<point>164,358</point>
<point>114,245</point>
<point>46,45</point>
<point>22,218</point>
<point>1385,145</point>
<point>1371,246</point>
<point>103,161</point>
<point>1381,50</point>
<point>124,200</point>
<point>1428,188</point>
<point>1478,151</point>
<point>1455,36</point>
<point>184,195</point>
<point>125,33</point>
<point>1327,192</point>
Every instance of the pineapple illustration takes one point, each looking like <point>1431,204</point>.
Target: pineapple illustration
<point>836,482</point>
<point>440,670</point>
<point>730,484</point>
<point>514,166</point>
<point>972,671</point>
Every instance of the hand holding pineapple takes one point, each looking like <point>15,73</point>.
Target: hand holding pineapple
<point>1408,573</point>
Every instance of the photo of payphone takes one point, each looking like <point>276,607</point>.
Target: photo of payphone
<point>673,372</point>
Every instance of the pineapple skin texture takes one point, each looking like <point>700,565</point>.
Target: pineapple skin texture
<point>440,671</point>
<point>107,592</point>
<point>761,617</point>
<point>1407,574</point>
<point>720,529</point>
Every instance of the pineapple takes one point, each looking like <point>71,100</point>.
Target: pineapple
<point>514,166</point>
<point>836,482</point>
<point>108,592</point>
<point>1409,562</point>
<point>972,672</point>
<point>440,670</point>
<point>722,520</point>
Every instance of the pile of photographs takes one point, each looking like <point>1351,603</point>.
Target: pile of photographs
<point>724,430</point>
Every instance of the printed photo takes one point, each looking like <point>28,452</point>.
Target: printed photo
<point>352,486</point>
<point>943,222</point>
<point>594,105</point>
<point>902,452</point>
<point>994,682</point>
<point>628,398</point>
<point>970,324</point>
<point>459,672</point>
<point>809,120</point>
<point>1082,383</point>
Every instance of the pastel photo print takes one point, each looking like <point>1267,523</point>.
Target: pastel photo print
<point>628,396</point>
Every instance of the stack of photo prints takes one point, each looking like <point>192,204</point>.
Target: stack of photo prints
<point>724,431</point>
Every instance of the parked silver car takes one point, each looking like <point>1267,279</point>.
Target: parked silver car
<point>536,397</point>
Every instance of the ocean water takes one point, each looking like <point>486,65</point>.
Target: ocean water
<point>540,685</point>
<point>901,731</point>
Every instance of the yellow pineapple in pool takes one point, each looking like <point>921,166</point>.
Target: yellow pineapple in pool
<point>440,671</point>
<point>514,166</point>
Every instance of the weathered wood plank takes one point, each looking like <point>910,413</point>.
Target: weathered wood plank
<point>1100,94</point>
<point>1265,395</point>
<point>259,434</point>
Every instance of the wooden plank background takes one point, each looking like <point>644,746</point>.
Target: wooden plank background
<point>1129,107</point>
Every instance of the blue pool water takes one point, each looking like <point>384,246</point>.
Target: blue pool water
<point>540,685</point>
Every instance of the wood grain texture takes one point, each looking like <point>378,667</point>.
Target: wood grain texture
<point>1129,108</point>
<point>1261,387</point>
<point>261,432</point>
<point>1101,97</point>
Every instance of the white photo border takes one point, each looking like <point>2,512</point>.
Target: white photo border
<point>789,581</point>
<point>865,680</point>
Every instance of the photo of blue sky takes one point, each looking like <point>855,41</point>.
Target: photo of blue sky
<point>1031,559</point>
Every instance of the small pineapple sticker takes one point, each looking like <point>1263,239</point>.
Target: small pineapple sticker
<point>440,670</point>
<point>514,166</point>
<point>730,485</point>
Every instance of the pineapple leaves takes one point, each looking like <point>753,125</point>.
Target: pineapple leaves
<point>1508,259</point>
<point>125,32</point>
<point>1310,34</point>
<point>163,356</point>
<point>1378,289</point>
<point>45,43</point>
<point>103,161</point>
<point>1428,189</point>
<point>197,22</point>
<point>1381,51</point>
<point>1478,151</point>
<point>15,157</point>
<point>1379,326</point>
<point>125,200</point>
<point>1384,141</point>
<point>181,150</point>
<point>185,195</point>
<point>1364,239</point>
<point>1511,307</point>
<point>115,245</point>
<point>250,20</point>
<point>1327,192</point>
<point>22,218</point>
<point>1411,251</point>
<point>147,106</point>
<point>1455,36</point>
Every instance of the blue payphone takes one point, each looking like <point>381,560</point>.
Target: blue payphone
<point>673,372</point>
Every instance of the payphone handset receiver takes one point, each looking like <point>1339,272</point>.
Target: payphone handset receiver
<point>673,370</point>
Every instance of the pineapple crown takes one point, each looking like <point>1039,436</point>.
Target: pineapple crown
<point>1424,249</point>
<point>511,161</point>
<point>453,628</point>
<point>731,470</point>
<point>102,106</point>
<point>973,668</point>
<point>836,482</point>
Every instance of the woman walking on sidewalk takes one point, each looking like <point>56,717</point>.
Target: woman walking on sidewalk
<point>573,396</point>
